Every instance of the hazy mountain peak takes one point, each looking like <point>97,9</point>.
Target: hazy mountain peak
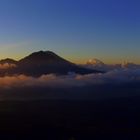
<point>95,62</point>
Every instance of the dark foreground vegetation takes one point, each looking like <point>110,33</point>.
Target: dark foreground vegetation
<point>117,118</point>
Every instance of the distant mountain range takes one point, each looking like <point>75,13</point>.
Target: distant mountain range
<point>43,62</point>
<point>98,64</point>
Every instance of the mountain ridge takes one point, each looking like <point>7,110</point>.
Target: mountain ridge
<point>45,62</point>
<point>8,60</point>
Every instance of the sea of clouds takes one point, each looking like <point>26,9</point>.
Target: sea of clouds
<point>116,83</point>
<point>120,76</point>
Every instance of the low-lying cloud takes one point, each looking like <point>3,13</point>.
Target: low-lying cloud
<point>72,80</point>
<point>6,66</point>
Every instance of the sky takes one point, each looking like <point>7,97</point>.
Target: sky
<point>77,30</point>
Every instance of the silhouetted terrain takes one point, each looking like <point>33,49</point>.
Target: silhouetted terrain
<point>40,63</point>
<point>8,60</point>
<point>44,96</point>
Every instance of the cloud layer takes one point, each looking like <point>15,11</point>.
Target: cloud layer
<point>72,80</point>
<point>7,66</point>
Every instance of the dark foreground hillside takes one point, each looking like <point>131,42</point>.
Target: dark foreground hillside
<point>71,119</point>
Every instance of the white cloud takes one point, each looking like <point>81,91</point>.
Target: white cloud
<point>111,77</point>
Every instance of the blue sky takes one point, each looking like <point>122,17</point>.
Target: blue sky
<point>75,29</point>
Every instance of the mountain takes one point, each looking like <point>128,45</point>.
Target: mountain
<point>95,62</point>
<point>46,62</point>
<point>42,58</point>
<point>98,64</point>
<point>8,60</point>
<point>129,65</point>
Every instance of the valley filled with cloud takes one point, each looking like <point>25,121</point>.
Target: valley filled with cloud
<point>112,84</point>
<point>46,75</point>
<point>72,80</point>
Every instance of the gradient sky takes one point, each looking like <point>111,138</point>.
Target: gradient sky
<point>75,29</point>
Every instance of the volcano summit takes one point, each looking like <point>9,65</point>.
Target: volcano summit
<point>43,62</point>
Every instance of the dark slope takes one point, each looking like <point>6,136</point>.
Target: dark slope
<point>42,58</point>
<point>11,66</point>
<point>8,60</point>
<point>46,62</point>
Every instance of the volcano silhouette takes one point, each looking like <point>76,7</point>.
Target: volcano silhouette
<point>44,62</point>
